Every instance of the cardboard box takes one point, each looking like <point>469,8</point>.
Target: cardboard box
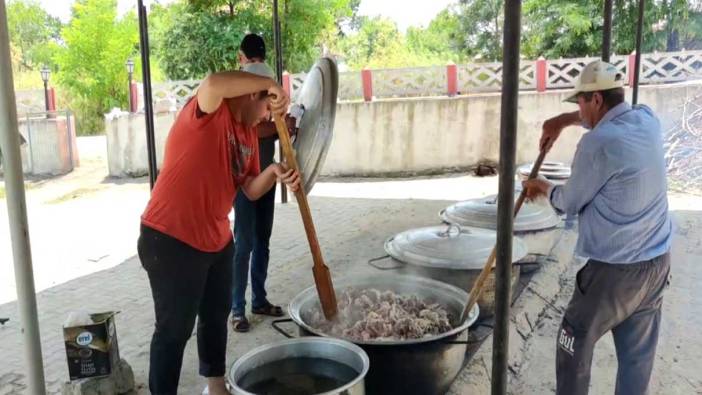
<point>91,350</point>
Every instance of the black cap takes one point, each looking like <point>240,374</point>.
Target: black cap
<point>253,46</point>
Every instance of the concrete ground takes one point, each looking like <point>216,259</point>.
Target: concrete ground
<point>84,228</point>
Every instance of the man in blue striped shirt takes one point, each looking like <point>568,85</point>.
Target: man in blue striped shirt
<point>618,189</point>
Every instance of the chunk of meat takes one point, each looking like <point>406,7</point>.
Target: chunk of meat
<point>370,314</point>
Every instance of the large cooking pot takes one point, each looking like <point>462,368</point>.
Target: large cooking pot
<point>307,366</point>
<point>451,254</point>
<point>422,366</point>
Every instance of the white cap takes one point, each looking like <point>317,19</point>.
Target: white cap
<point>597,76</point>
<point>259,68</point>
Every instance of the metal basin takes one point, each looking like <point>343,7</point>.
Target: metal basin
<point>324,358</point>
<point>419,366</point>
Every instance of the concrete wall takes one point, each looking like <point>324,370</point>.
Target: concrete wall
<point>50,144</point>
<point>126,142</point>
<point>414,135</point>
<point>429,134</point>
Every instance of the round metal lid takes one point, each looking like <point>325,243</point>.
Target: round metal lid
<point>482,213</point>
<point>448,246</point>
<point>318,96</point>
<point>553,170</point>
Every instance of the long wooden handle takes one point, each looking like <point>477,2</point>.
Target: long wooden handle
<point>322,276</point>
<point>300,194</point>
<point>479,284</point>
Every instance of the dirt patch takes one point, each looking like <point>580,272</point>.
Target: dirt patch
<point>74,194</point>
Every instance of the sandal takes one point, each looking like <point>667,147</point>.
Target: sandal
<point>269,310</point>
<point>240,324</point>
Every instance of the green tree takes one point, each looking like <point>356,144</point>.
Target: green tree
<point>91,66</point>
<point>204,35</point>
<point>33,32</point>
<point>438,41</point>
<point>562,28</point>
<point>480,26</point>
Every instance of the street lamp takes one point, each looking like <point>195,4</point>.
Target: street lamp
<point>45,72</point>
<point>130,72</point>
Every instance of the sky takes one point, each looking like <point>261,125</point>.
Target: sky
<point>404,12</point>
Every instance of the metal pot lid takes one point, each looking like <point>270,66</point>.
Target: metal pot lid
<point>318,96</point>
<point>554,170</point>
<point>448,247</point>
<point>482,213</point>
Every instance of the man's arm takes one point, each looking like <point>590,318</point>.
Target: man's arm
<point>219,86</point>
<point>255,187</point>
<point>589,174</point>
<point>552,128</point>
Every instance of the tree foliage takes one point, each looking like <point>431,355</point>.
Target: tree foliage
<point>34,34</point>
<point>91,65</point>
<point>204,35</point>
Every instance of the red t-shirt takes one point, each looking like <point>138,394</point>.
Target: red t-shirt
<point>206,159</point>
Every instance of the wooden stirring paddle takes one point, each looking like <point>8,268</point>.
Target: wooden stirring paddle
<point>478,286</point>
<point>322,277</point>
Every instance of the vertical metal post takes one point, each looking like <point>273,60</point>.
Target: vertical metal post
<point>277,43</point>
<point>129,90</point>
<point>505,198</point>
<point>17,214</point>
<point>607,31</point>
<point>148,103</point>
<point>637,62</point>
<point>46,96</point>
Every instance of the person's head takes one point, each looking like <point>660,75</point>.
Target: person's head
<point>252,49</point>
<point>598,89</point>
<point>254,107</point>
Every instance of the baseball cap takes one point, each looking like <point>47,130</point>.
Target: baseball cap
<point>253,46</point>
<point>597,76</point>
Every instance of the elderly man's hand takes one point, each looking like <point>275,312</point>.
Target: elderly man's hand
<point>536,188</point>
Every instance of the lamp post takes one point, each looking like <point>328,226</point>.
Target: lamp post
<point>130,72</point>
<point>45,72</point>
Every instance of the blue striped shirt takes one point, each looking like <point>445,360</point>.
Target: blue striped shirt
<point>618,188</point>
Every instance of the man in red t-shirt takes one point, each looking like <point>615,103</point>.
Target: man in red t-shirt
<point>186,243</point>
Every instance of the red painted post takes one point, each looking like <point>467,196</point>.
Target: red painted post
<point>541,74</point>
<point>286,83</point>
<point>134,93</point>
<point>452,79</point>
<point>632,68</point>
<point>52,99</point>
<point>367,79</point>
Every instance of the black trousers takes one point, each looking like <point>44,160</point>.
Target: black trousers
<point>625,300</point>
<point>186,283</point>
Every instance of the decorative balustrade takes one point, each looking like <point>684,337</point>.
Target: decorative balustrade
<point>540,75</point>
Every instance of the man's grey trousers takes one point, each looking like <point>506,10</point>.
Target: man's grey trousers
<point>625,299</point>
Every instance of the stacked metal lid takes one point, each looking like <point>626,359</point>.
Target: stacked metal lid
<point>448,246</point>
<point>482,213</point>
<point>550,170</point>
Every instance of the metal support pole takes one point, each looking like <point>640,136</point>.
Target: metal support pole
<point>505,198</point>
<point>148,104</point>
<point>46,96</point>
<point>607,31</point>
<point>277,41</point>
<point>129,91</point>
<point>637,61</point>
<point>17,214</point>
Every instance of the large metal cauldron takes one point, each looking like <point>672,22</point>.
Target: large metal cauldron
<point>424,366</point>
<point>451,254</point>
<point>321,349</point>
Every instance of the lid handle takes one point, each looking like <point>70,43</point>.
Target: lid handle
<point>453,230</point>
